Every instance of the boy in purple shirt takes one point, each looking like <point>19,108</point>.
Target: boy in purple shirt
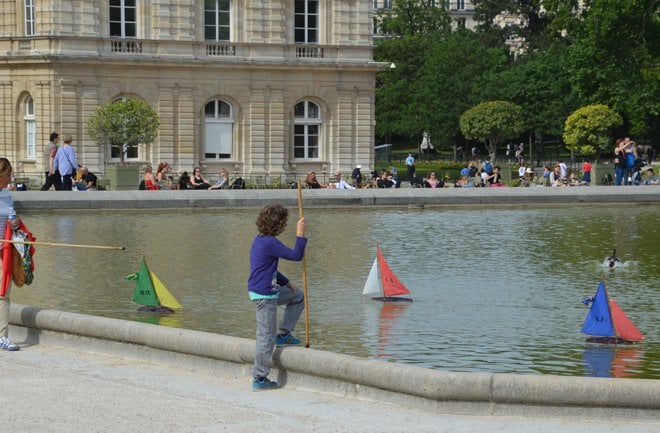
<point>269,288</point>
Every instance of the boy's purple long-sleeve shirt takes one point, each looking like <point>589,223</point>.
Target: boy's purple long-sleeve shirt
<point>264,258</point>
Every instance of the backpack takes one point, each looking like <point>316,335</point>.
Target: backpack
<point>488,167</point>
<point>238,183</point>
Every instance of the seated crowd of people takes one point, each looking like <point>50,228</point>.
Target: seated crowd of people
<point>164,179</point>
<point>488,175</point>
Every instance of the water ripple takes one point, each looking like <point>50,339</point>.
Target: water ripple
<point>496,289</point>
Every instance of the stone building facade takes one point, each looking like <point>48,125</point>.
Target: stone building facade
<point>461,11</point>
<point>261,87</point>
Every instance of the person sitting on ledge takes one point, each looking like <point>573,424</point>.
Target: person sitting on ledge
<point>462,182</point>
<point>433,182</point>
<point>356,176</point>
<point>87,180</point>
<point>149,179</point>
<point>312,182</point>
<point>184,181</point>
<point>385,180</point>
<point>416,181</point>
<point>197,181</point>
<point>495,179</point>
<point>165,181</point>
<point>341,183</point>
<point>223,180</point>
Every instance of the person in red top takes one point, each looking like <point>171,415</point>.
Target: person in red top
<point>149,179</point>
<point>586,172</point>
<point>10,221</point>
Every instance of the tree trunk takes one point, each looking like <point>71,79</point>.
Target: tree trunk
<point>492,150</point>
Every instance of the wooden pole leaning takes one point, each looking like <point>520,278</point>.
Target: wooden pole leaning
<point>53,244</point>
<point>304,269</point>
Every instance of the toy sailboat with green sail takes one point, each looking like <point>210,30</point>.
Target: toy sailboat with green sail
<point>151,293</point>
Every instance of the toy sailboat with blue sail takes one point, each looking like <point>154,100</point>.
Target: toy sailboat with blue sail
<point>382,284</point>
<point>607,323</point>
<point>151,293</point>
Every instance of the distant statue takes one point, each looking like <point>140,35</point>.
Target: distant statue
<point>426,145</point>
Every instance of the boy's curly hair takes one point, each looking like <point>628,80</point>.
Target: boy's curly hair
<point>5,167</point>
<point>272,219</point>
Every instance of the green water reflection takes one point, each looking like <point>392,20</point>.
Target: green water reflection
<point>496,289</point>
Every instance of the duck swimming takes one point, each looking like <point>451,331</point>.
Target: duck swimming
<point>612,261</point>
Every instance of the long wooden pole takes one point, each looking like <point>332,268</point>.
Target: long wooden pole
<point>53,244</point>
<point>304,269</point>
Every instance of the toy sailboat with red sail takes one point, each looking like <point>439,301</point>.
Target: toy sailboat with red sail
<point>606,321</point>
<point>382,284</point>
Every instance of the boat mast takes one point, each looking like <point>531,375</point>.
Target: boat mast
<point>609,310</point>
<point>379,254</point>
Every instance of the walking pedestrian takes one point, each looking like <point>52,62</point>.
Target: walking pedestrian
<point>50,150</point>
<point>66,163</point>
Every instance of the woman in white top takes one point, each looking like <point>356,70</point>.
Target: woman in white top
<point>341,183</point>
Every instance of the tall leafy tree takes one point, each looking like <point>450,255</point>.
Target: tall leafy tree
<point>613,59</point>
<point>446,85</point>
<point>528,20</point>
<point>540,84</point>
<point>413,27</point>
<point>397,114</point>
<point>124,124</point>
<point>491,122</point>
<point>588,130</point>
<point>414,17</point>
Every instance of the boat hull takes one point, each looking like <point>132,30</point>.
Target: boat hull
<point>157,310</point>
<point>608,340</point>
<point>391,299</point>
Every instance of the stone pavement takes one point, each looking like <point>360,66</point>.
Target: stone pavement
<point>52,389</point>
<point>81,373</point>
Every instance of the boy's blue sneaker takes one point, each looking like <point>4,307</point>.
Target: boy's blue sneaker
<point>263,384</point>
<point>287,340</point>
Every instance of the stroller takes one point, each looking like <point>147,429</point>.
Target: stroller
<point>640,167</point>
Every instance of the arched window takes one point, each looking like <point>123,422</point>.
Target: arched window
<point>218,130</point>
<point>30,122</point>
<point>306,130</point>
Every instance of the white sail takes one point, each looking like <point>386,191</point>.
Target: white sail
<point>373,285</point>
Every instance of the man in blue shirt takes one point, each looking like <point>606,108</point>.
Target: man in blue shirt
<point>410,166</point>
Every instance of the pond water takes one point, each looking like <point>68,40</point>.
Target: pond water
<point>495,289</point>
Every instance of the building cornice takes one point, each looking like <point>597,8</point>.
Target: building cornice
<point>53,49</point>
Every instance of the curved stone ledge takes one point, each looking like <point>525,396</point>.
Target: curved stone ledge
<point>63,200</point>
<point>450,392</point>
